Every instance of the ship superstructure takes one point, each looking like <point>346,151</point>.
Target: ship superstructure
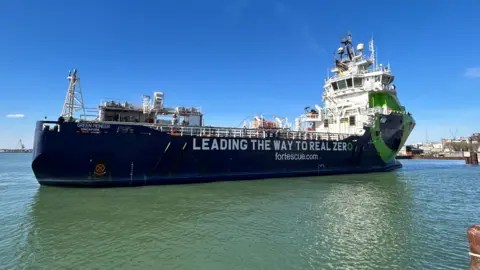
<point>359,88</point>
<point>150,112</point>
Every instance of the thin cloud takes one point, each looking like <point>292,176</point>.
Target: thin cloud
<point>473,72</point>
<point>16,115</point>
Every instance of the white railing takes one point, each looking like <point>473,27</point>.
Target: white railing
<point>375,69</point>
<point>249,133</point>
<point>382,110</point>
<point>350,73</point>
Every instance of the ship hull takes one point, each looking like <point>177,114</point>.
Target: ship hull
<point>131,155</point>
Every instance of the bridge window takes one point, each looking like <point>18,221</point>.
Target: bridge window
<point>349,83</point>
<point>386,79</point>
<point>342,85</point>
<point>357,82</point>
<point>352,120</point>
<point>335,86</point>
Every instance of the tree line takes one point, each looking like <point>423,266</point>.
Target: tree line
<point>462,146</point>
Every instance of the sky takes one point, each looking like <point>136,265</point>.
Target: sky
<point>234,58</point>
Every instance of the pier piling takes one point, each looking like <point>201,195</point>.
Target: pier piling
<point>472,158</point>
<point>473,234</point>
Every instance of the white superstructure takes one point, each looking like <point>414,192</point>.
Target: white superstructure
<point>346,94</point>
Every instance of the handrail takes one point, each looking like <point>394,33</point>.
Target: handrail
<point>360,72</point>
<point>249,133</point>
<point>230,132</point>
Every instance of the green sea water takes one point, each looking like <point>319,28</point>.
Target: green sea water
<point>412,218</point>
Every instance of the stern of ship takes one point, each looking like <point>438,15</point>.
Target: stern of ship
<point>73,153</point>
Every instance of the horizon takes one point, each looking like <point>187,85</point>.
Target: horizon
<point>234,59</point>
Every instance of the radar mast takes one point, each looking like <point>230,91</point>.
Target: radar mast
<point>74,99</point>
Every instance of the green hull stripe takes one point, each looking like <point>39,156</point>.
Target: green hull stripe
<point>383,150</point>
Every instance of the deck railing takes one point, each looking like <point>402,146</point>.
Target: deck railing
<point>249,133</point>
<point>230,132</point>
<point>383,110</point>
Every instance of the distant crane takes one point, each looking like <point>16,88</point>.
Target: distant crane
<point>20,145</point>
<point>454,135</point>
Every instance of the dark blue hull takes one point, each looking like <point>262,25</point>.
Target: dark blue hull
<point>128,155</point>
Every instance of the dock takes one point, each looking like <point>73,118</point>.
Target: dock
<point>464,148</point>
<point>430,157</point>
<point>472,158</point>
<point>19,149</point>
<point>15,150</point>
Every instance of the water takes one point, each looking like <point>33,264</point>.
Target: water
<point>413,218</point>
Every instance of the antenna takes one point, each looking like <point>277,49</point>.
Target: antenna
<point>372,50</point>
<point>74,99</point>
<point>346,41</point>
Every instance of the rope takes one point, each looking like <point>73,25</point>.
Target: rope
<point>474,255</point>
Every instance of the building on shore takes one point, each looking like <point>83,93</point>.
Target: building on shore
<point>475,137</point>
<point>467,148</point>
<point>464,144</point>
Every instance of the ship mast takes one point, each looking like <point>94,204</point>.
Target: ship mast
<point>74,99</point>
<point>372,50</point>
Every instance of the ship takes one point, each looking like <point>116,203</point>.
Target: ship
<point>360,129</point>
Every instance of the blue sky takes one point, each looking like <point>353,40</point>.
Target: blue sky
<point>234,58</point>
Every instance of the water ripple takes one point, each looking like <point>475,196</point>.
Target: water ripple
<point>414,218</point>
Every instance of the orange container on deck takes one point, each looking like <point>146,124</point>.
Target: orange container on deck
<point>264,123</point>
